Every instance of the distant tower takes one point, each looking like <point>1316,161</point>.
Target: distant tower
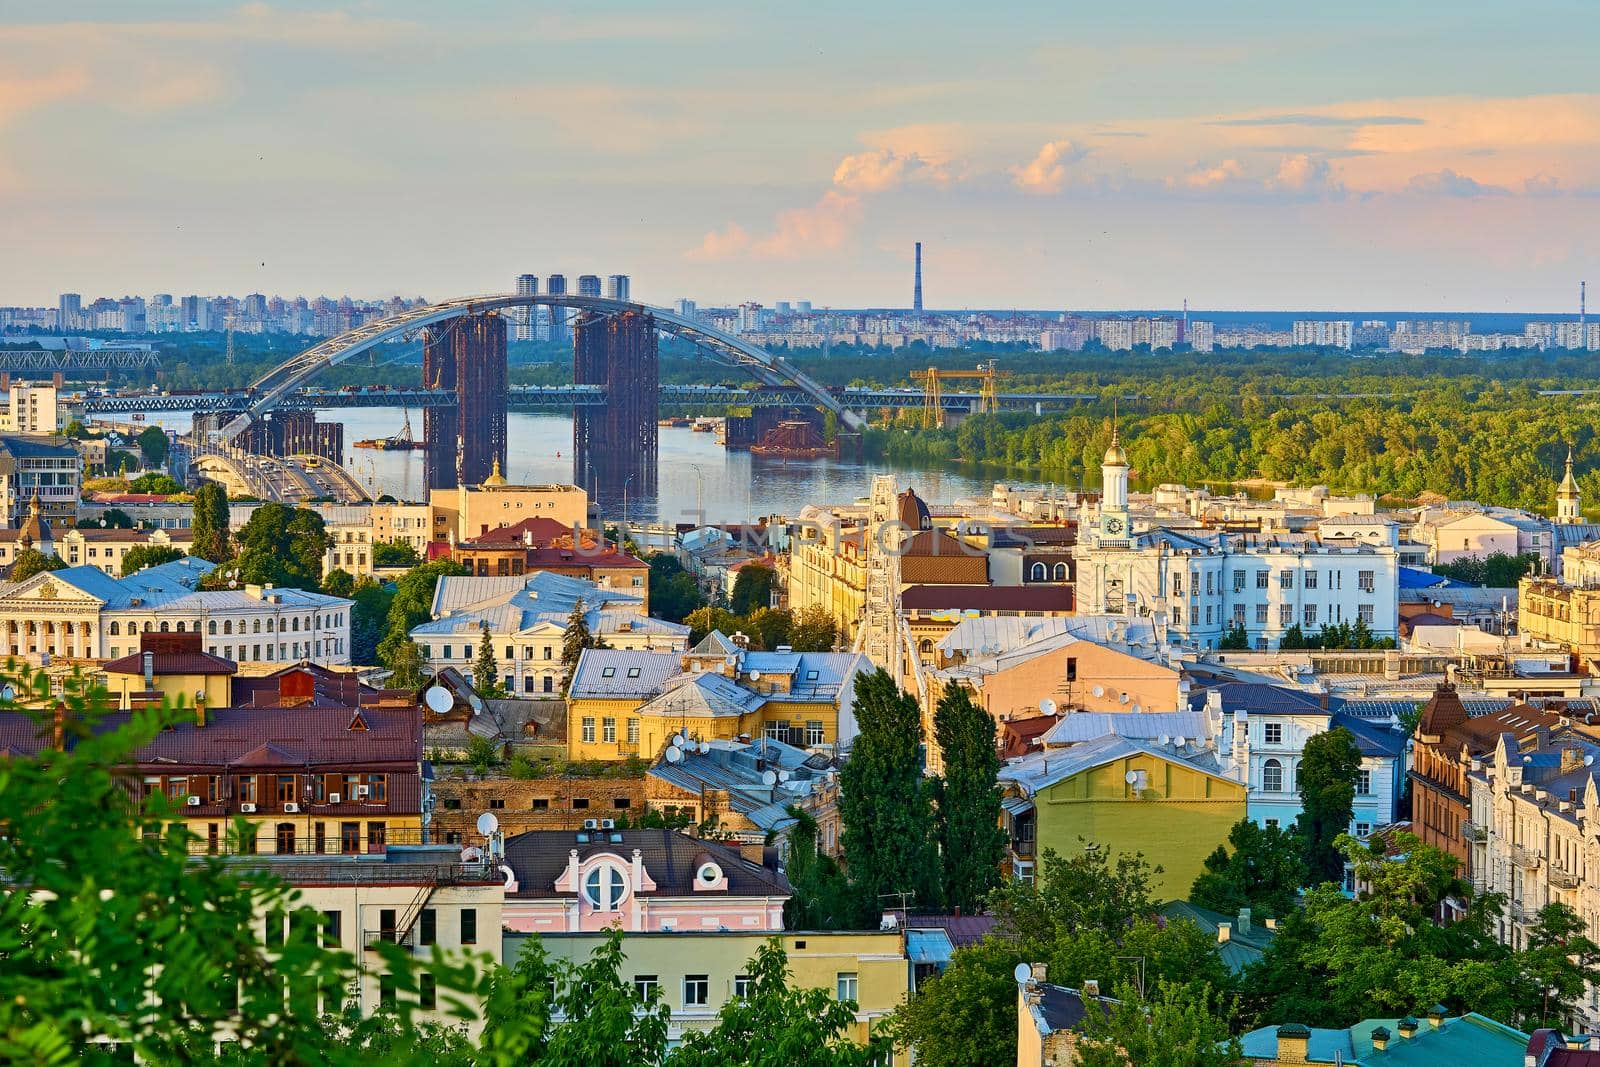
<point>1568,498</point>
<point>617,287</point>
<point>1114,491</point>
<point>527,285</point>
<point>916,291</point>
<point>556,285</point>
<point>588,285</point>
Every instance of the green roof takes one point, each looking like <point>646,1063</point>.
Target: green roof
<point>1240,950</point>
<point>1467,1039</point>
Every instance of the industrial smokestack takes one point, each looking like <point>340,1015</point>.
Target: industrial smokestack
<point>916,292</point>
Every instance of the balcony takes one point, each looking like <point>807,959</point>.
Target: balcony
<point>1562,878</point>
<point>1474,833</point>
<point>1527,859</point>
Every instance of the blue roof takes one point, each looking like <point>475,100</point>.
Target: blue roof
<point>1373,739</point>
<point>1259,698</point>
<point>152,587</point>
<point>1417,578</point>
<point>929,946</point>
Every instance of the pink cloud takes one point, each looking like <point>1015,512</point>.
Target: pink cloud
<point>1047,171</point>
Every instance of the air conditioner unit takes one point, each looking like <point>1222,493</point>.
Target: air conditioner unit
<point>334,798</point>
<point>248,809</point>
<point>591,824</point>
<point>363,790</point>
<point>608,824</point>
<point>291,808</point>
<point>193,802</point>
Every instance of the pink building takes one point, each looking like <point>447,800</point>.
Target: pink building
<point>640,880</point>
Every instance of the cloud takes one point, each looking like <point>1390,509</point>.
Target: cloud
<point>730,241</point>
<point>825,226</point>
<point>19,95</point>
<point>1047,172</point>
<point>1542,185</point>
<point>882,168</point>
<point>1305,174</point>
<point>1311,119</point>
<point>1223,173</point>
<point>1447,182</point>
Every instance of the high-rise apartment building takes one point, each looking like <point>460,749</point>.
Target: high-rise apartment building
<point>70,316</point>
<point>1326,333</point>
<point>588,285</point>
<point>686,308</point>
<point>527,285</point>
<point>1202,336</point>
<point>617,287</point>
<point>558,329</point>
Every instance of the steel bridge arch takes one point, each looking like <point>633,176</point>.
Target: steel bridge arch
<point>272,388</point>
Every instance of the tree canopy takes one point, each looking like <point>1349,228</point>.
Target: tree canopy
<point>31,561</point>
<point>971,842</point>
<point>210,522</point>
<point>1261,868</point>
<point>1327,775</point>
<point>139,557</point>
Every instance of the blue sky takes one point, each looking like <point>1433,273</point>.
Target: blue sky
<point>1420,155</point>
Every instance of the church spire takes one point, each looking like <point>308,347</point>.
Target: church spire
<point>1568,496</point>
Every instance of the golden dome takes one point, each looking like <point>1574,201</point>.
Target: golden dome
<point>495,477</point>
<point>1569,484</point>
<point>1115,456</point>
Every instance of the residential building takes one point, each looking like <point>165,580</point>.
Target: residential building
<point>623,703</point>
<point>1566,616</point>
<point>105,547</point>
<point>33,408</point>
<point>697,972</point>
<point>1436,1038</point>
<point>1050,1018</point>
<point>525,617</point>
<point>1323,333</point>
<point>520,805</point>
<point>636,880</point>
<point>1175,804</point>
<point>410,524</point>
<point>542,544</point>
<point>45,469</point>
<point>742,790</point>
<point>469,511</point>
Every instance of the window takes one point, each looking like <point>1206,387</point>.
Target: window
<point>621,802</point>
<point>1272,823</point>
<point>608,730</point>
<point>814,734</point>
<point>633,672</point>
<point>541,803</point>
<point>1364,581</point>
<point>1311,579</point>
<point>1238,581</point>
<point>696,990</point>
<point>1285,614</point>
<point>332,936</point>
<point>604,887</point>
<point>386,990</point>
<point>580,803</point>
<point>1363,829</point>
<point>428,927</point>
<point>846,986</point>
<point>1177,585</point>
<point>1036,573</point>
<point>427,991</point>
<point>1261,614</point>
<point>743,986</point>
<point>1364,613</point>
<point>469,926</point>
<point>1210,583</point>
<point>510,652</point>
<point>608,672</point>
<point>1272,733</point>
<point>497,803</point>
<point>1261,579</point>
<point>1364,782</point>
<point>588,729</point>
<point>1309,614</point>
<point>1194,615</point>
<point>645,986</point>
<point>1238,614</point>
<point>1286,579</point>
<point>633,731</point>
<point>1272,776</point>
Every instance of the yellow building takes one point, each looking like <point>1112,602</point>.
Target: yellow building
<point>171,667</point>
<point>1172,804</point>
<point>470,511</point>
<point>629,703</point>
<point>697,972</point>
<point>1566,615</point>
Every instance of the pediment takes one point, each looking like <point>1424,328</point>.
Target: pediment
<point>44,587</point>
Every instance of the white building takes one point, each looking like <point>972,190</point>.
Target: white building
<point>1325,333</point>
<point>33,407</point>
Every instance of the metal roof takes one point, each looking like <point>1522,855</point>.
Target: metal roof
<point>1041,770</point>
<point>1080,726</point>
<point>622,673</point>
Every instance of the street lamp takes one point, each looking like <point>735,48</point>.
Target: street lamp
<point>626,482</point>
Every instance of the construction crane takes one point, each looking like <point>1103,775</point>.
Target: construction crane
<point>933,396</point>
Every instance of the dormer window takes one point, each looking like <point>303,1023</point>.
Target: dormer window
<point>633,672</point>
<point>604,888</point>
<point>608,672</point>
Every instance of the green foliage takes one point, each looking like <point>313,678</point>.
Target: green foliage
<point>139,557</point>
<point>1559,961</point>
<point>407,666</point>
<point>1327,776</point>
<point>486,669</point>
<point>1263,871</point>
<point>521,767</point>
<point>822,899</point>
<point>814,630</point>
<point>119,461</point>
<point>210,522</point>
<point>482,754</point>
<point>767,628</point>
<point>339,582</point>
<point>1178,1025</point>
<point>673,591</point>
<point>372,600</point>
<point>394,554</point>
<point>153,482</point>
<point>753,588</point>
<point>884,803</point>
<point>1234,639</point>
<point>576,637</point>
<point>281,546</point>
<point>971,842</point>
<point>1146,951</point>
<point>703,620</point>
<point>153,446</point>
<point>1087,888</point>
<point>411,605</point>
<point>116,519</point>
<point>31,561</point>
<point>777,1025</point>
<point>1499,570</point>
<point>967,1015</point>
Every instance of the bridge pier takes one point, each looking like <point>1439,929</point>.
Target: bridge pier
<point>614,446</point>
<point>465,439</point>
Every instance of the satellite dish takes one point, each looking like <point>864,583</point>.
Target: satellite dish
<point>1022,973</point>
<point>1123,698</point>
<point>677,740</point>
<point>783,776</point>
<point>438,699</point>
<point>1166,739</point>
<point>1179,741</point>
<point>755,676</point>
<point>1047,706</point>
<point>487,823</point>
<point>1131,777</point>
<point>769,777</point>
<point>705,747</point>
<point>1588,761</point>
<point>1138,708</point>
<point>1099,690</point>
<point>8,693</point>
<point>674,755</point>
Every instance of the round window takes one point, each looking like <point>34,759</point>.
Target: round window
<point>604,888</point>
<point>710,873</point>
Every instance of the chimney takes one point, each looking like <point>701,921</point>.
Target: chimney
<point>1244,921</point>
<point>1294,1043</point>
<point>200,708</point>
<point>1436,1016</point>
<point>149,670</point>
<point>1408,1027</point>
<point>1380,1038</point>
<point>1091,988</point>
<point>1224,933</point>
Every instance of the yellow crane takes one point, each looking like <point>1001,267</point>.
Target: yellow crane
<point>933,397</point>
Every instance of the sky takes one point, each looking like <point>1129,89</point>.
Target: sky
<point>1418,155</point>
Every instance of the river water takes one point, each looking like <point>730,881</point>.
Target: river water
<point>699,479</point>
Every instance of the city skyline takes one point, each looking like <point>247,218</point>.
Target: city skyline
<point>1309,163</point>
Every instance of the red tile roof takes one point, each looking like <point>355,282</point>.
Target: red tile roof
<point>988,597</point>
<point>169,663</point>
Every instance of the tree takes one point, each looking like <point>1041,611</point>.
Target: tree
<point>281,546</point>
<point>338,582</point>
<point>1147,951</point>
<point>486,669</point>
<point>1559,962</point>
<point>1178,1025</point>
<point>371,601</point>
<point>821,898</point>
<point>1328,770</point>
<point>406,666</point>
<point>116,519</point>
<point>884,803</point>
<point>966,1015</point>
<point>210,522</point>
<point>159,484</point>
<point>753,588</point>
<point>768,627</point>
<point>411,605</point>
<point>776,1025</point>
<point>814,630</point>
<point>673,591</point>
<point>1234,639</point>
<point>139,557</point>
<point>1084,889</point>
<point>153,446</point>
<point>576,637</point>
<point>482,754</point>
<point>1293,638</point>
<point>1263,872</point>
<point>703,620</point>
<point>971,842</point>
<point>394,554</point>
<point>1498,570</point>
<point>31,561</point>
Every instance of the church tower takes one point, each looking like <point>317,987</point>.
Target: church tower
<point>1568,497</point>
<point>1114,492</point>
